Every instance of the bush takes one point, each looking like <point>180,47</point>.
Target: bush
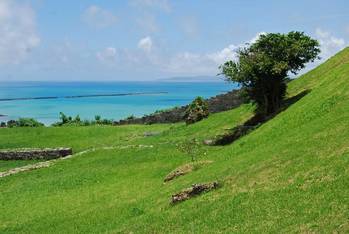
<point>196,111</point>
<point>192,148</point>
<point>70,121</point>
<point>22,122</point>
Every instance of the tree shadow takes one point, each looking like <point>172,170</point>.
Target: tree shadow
<point>254,122</point>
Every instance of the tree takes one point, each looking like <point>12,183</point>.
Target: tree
<point>262,68</point>
<point>196,111</point>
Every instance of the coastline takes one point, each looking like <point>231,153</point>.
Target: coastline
<point>110,100</point>
<point>83,96</point>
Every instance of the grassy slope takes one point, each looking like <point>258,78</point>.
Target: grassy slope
<point>79,138</point>
<point>289,175</point>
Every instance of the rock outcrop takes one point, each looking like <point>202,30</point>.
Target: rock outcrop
<point>194,190</point>
<point>219,103</point>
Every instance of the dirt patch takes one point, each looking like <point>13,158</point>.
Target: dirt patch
<point>194,190</point>
<point>185,169</point>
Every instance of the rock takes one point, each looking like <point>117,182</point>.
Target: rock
<point>149,134</point>
<point>208,142</point>
<point>175,174</point>
<point>194,190</point>
<point>185,169</point>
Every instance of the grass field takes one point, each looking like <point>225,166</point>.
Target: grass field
<point>289,175</point>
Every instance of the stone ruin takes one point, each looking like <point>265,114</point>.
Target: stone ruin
<point>30,154</point>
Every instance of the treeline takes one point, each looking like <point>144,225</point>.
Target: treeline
<point>21,122</point>
<point>66,120</point>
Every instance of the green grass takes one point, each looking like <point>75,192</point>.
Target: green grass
<point>7,165</point>
<point>289,175</point>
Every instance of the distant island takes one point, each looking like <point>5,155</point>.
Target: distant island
<point>194,79</point>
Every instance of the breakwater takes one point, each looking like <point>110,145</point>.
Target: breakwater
<point>83,96</point>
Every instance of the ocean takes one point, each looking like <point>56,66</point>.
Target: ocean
<point>112,100</point>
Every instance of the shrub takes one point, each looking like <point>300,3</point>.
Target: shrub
<point>192,148</point>
<point>131,117</point>
<point>28,122</point>
<point>196,111</point>
<point>77,119</point>
<point>22,122</point>
<point>98,119</point>
<point>68,120</point>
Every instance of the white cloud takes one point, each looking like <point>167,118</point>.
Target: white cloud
<point>99,17</point>
<point>228,53</point>
<point>206,63</point>
<point>183,63</point>
<point>107,55</point>
<point>145,44</point>
<point>160,4</point>
<point>253,40</point>
<point>329,43</point>
<point>17,30</point>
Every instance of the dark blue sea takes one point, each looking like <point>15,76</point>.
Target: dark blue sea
<point>113,100</point>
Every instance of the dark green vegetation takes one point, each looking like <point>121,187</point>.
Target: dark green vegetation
<point>70,121</point>
<point>289,175</point>
<point>22,122</point>
<point>196,111</point>
<point>263,67</point>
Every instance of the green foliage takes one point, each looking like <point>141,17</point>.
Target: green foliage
<point>262,67</point>
<point>192,147</point>
<point>77,119</point>
<point>68,120</point>
<point>196,111</point>
<point>290,175</point>
<point>22,122</point>
<point>97,118</point>
<point>131,117</point>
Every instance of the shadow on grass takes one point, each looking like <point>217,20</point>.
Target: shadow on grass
<point>254,122</point>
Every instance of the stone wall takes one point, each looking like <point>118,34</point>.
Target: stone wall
<point>219,103</point>
<point>28,154</point>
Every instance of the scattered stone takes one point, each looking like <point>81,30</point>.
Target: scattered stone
<point>149,134</point>
<point>208,142</point>
<point>194,190</point>
<point>185,169</point>
<point>29,154</point>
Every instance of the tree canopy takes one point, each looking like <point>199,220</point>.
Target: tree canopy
<point>262,68</point>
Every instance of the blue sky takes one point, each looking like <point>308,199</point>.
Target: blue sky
<point>69,40</point>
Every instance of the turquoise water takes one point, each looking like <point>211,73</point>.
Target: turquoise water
<point>160,95</point>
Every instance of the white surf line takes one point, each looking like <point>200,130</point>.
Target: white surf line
<point>51,162</point>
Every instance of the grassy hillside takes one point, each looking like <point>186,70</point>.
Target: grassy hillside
<point>289,175</point>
